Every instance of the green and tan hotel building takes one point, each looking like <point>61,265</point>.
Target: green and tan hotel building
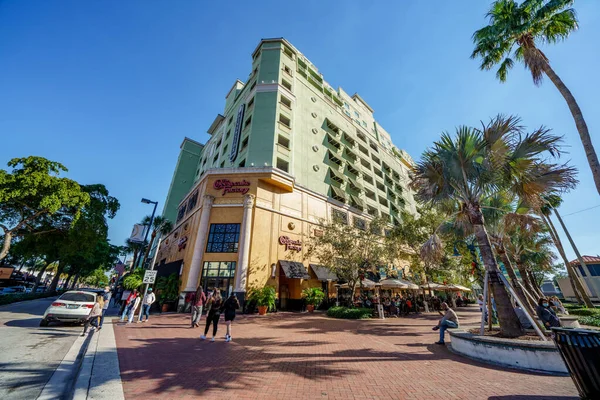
<point>287,151</point>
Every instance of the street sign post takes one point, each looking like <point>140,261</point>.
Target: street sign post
<point>150,276</point>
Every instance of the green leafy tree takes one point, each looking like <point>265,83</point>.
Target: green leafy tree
<point>515,32</point>
<point>478,163</point>
<point>97,278</point>
<point>348,250</point>
<point>31,191</point>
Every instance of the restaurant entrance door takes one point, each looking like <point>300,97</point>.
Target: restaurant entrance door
<point>218,274</point>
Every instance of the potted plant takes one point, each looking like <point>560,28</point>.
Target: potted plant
<point>264,299</point>
<point>313,296</point>
<point>168,290</point>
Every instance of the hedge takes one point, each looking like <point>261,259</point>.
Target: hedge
<point>15,298</point>
<point>586,312</point>
<point>589,320</point>
<point>349,313</point>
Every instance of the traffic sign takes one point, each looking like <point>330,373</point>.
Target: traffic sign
<point>150,276</point>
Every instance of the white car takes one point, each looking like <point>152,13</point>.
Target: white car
<point>72,306</point>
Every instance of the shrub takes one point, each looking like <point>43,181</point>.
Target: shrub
<point>263,297</point>
<point>585,312</point>
<point>349,313</point>
<point>589,320</point>
<point>14,298</point>
<point>313,296</point>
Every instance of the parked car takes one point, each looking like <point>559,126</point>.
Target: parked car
<point>12,290</point>
<point>72,306</point>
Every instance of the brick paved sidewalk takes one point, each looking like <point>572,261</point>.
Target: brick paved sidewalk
<point>302,356</point>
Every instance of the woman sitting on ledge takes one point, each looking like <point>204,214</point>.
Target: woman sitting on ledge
<point>546,314</point>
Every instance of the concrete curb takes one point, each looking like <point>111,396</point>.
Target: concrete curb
<point>100,375</point>
<point>60,385</point>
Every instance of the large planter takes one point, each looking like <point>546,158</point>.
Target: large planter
<point>527,355</point>
<point>310,307</point>
<point>262,310</point>
<point>165,307</point>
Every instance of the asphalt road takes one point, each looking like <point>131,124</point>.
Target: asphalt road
<point>30,354</point>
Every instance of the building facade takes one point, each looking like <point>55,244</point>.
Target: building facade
<point>287,152</point>
<point>589,275</point>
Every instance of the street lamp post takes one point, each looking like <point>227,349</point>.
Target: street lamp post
<point>146,201</point>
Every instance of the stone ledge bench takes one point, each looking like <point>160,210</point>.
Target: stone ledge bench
<point>528,355</point>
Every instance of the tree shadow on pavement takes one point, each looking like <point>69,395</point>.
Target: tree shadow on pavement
<point>524,397</point>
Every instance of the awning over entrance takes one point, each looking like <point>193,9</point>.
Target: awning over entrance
<point>294,270</point>
<point>323,273</point>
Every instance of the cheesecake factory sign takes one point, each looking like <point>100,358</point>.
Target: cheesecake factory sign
<point>290,244</point>
<point>228,186</point>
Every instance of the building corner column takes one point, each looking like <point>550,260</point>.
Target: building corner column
<point>196,263</point>
<point>241,276</point>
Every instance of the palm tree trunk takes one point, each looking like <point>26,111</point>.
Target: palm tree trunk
<point>513,277</point>
<point>135,256</point>
<point>582,128</point>
<point>75,281</point>
<point>525,278</point>
<point>579,285</point>
<point>38,278</point>
<point>56,278</point>
<point>509,323</point>
<point>65,285</point>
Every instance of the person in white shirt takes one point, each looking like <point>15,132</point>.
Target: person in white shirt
<point>149,298</point>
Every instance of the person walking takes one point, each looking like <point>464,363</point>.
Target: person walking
<point>128,303</point>
<point>149,299</point>
<point>197,304</point>
<point>215,303</point>
<point>94,315</point>
<point>229,307</point>
<point>450,320</point>
<point>133,308</point>
<point>106,297</point>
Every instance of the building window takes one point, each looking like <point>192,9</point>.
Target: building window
<point>368,179</point>
<point>283,141</point>
<point>223,164</point>
<point>250,104</point>
<point>378,173</point>
<point>347,107</point>
<point>347,113</point>
<point>215,158</point>
<point>364,124</point>
<point>227,134</point>
<point>373,146</point>
<point>286,85</point>
<point>339,216</point>
<point>581,271</point>
<point>359,223</point>
<point>361,136</point>
<point>285,101</point>
<point>218,274</point>
<point>224,150</point>
<point>380,186</point>
<point>594,269</point>
<point>192,201</point>
<point>253,86</point>
<point>245,143</point>
<point>287,70</point>
<point>376,159</point>
<point>283,165</point>
<point>242,164</point>
<point>230,120</point>
<point>223,238</point>
<point>285,120</point>
<point>181,213</point>
<point>356,114</point>
<point>288,52</point>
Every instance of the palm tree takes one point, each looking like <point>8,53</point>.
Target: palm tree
<point>478,163</point>
<point>522,28</point>
<point>134,248</point>
<point>160,225</point>
<point>551,202</point>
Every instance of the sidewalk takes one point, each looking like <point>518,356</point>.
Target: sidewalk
<point>309,356</point>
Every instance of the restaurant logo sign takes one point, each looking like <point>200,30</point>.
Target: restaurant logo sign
<point>237,133</point>
<point>228,186</point>
<point>181,243</point>
<point>290,244</point>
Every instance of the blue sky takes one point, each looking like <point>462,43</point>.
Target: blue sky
<point>111,88</point>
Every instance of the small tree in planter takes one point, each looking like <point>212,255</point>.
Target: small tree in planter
<point>264,299</point>
<point>168,290</point>
<point>314,297</point>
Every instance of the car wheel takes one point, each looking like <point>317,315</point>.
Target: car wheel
<point>44,323</point>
